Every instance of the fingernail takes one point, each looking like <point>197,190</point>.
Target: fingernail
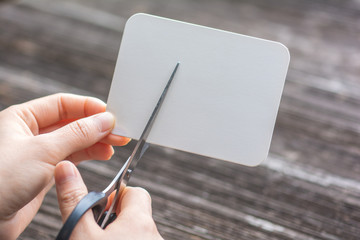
<point>65,173</point>
<point>106,120</point>
<point>124,141</point>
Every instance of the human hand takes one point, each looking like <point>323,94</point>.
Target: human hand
<point>134,221</point>
<point>35,136</point>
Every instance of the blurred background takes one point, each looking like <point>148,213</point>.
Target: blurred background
<point>308,188</point>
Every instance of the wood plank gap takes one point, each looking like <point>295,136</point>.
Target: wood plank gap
<point>38,84</point>
<point>78,12</point>
<point>311,174</point>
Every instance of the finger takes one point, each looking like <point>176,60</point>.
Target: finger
<point>111,139</point>
<point>70,190</point>
<point>134,201</point>
<point>51,109</point>
<point>76,136</point>
<point>69,187</point>
<point>56,126</point>
<point>135,215</point>
<point>98,151</point>
<point>116,140</point>
<point>110,200</point>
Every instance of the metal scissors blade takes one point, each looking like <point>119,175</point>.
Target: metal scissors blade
<point>98,200</point>
<point>141,145</point>
<point>139,149</point>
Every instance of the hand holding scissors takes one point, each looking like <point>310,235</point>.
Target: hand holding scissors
<point>97,201</point>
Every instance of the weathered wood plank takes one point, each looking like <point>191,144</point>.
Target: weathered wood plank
<point>302,102</point>
<point>308,188</point>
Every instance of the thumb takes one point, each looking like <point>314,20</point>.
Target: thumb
<point>70,187</point>
<point>78,135</point>
<point>70,190</point>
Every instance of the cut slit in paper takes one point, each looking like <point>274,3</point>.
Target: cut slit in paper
<point>223,101</point>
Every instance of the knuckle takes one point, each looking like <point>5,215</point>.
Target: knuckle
<point>61,109</point>
<point>141,193</point>
<point>13,109</point>
<point>61,95</point>
<point>71,198</point>
<point>12,113</point>
<point>81,130</point>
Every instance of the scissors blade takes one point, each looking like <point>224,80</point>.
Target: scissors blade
<point>141,145</point>
<point>156,110</point>
<point>139,149</point>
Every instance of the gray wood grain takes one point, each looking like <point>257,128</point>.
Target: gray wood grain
<point>309,187</point>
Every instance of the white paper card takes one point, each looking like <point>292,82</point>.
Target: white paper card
<point>223,101</point>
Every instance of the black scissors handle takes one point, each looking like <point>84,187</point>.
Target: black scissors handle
<point>91,200</point>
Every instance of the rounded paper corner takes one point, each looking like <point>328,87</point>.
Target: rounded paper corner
<point>256,163</point>
<point>252,164</point>
<point>135,17</point>
<point>284,50</point>
<point>244,161</point>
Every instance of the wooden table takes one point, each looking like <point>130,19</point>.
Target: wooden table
<point>308,188</point>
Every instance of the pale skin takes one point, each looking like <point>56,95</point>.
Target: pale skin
<point>36,138</point>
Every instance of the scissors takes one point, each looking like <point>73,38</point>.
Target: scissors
<point>97,200</point>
